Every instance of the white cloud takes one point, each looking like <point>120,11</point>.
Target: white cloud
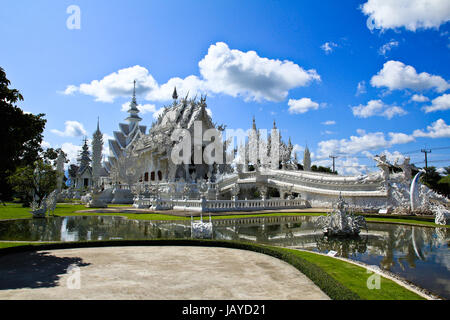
<point>441,171</point>
<point>362,143</point>
<point>117,84</point>
<point>400,138</point>
<point>70,90</point>
<point>390,112</point>
<point>72,151</point>
<point>419,98</point>
<point>45,144</point>
<point>365,141</point>
<point>157,113</point>
<point>387,47</point>
<point>329,123</point>
<point>302,105</point>
<point>410,14</point>
<point>377,108</point>
<point>191,85</point>
<point>298,148</point>
<point>143,108</point>
<point>328,47</point>
<point>376,140</point>
<point>106,151</point>
<point>226,71</point>
<point>393,157</point>
<point>73,129</point>
<point>440,103</point>
<point>344,165</point>
<point>361,88</point>
<point>395,75</point>
<point>246,74</point>
<point>438,129</point>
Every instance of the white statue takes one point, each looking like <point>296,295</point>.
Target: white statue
<point>442,216</point>
<point>200,229</point>
<point>39,212</point>
<point>384,166</point>
<point>341,223</point>
<point>406,168</point>
<point>60,170</point>
<point>51,201</point>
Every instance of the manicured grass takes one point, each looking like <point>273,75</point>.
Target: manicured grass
<point>340,280</point>
<point>16,211</point>
<point>407,221</point>
<point>355,278</point>
<point>163,217</point>
<point>13,244</point>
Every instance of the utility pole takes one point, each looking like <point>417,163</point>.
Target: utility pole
<point>333,157</point>
<point>426,151</point>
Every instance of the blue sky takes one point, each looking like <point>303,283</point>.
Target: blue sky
<point>296,62</point>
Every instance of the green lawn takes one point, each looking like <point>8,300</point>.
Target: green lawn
<point>16,211</point>
<point>407,221</point>
<point>355,278</point>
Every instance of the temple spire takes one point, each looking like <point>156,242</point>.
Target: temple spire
<point>84,159</point>
<point>254,123</point>
<point>134,91</point>
<point>97,148</point>
<point>306,159</point>
<point>133,111</point>
<point>98,124</point>
<point>175,94</point>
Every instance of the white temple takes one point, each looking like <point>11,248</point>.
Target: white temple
<point>262,174</point>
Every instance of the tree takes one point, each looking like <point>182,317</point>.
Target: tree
<point>322,169</point>
<point>38,179</point>
<point>433,180</point>
<point>20,134</point>
<point>444,185</point>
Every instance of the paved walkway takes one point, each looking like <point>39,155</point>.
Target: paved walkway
<point>152,273</point>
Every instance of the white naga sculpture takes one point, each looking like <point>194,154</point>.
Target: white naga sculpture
<point>442,216</point>
<point>384,166</point>
<point>340,222</point>
<point>406,168</point>
<point>39,212</point>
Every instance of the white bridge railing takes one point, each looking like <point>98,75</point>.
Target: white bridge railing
<point>204,205</point>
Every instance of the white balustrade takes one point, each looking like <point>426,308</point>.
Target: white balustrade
<point>204,205</point>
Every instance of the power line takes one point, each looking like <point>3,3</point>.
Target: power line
<point>432,161</point>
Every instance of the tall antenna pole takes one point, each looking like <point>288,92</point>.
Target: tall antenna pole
<point>426,151</point>
<point>333,157</point>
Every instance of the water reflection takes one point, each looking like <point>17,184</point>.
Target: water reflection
<point>419,254</point>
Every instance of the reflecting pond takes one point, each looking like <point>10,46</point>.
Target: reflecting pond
<point>419,254</point>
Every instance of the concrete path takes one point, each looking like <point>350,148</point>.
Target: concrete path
<point>152,273</point>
